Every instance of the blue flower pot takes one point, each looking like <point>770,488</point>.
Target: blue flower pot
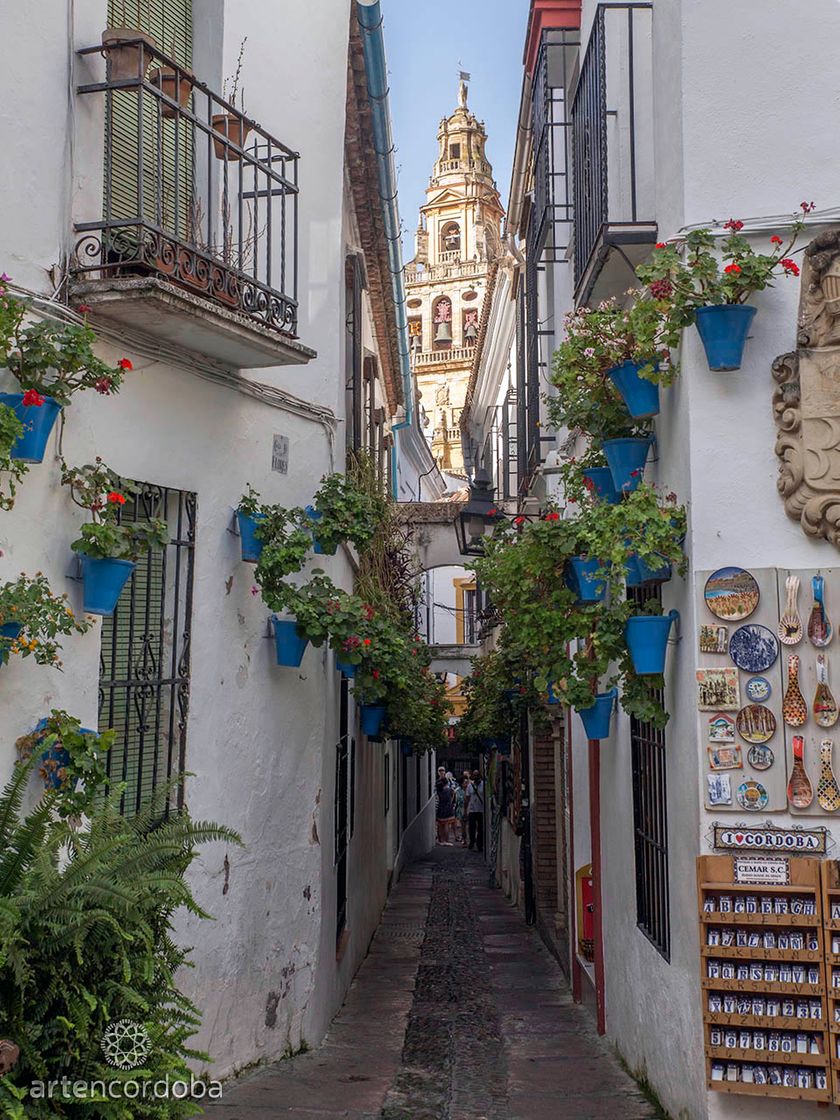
<point>601,478</point>
<point>582,579</point>
<point>55,758</point>
<point>553,698</point>
<point>372,718</point>
<point>646,636</point>
<point>290,645</point>
<point>638,572</point>
<point>315,515</point>
<point>626,460</point>
<point>723,330</point>
<point>9,631</point>
<point>640,396</point>
<point>251,545</point>
<point>406,747</point>
<point>38,422</point>
<point>345,668</point>
<point>597,718</point>
<point>103,581</point>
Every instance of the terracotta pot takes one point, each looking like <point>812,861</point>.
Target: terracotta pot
<point>166,79</point>
<point>125,60</point>
<point>235,129</point>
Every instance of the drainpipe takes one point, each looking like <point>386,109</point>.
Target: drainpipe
<point>369,15</point>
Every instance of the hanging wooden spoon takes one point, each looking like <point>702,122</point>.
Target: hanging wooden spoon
<point>800,792</point>
<point>824,706</point>
<point>794,708</point>
<point>820,631</point>
<point>828,792</point>
<point>790,624</point>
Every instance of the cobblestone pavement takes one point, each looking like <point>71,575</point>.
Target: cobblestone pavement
<point>458,1013</point>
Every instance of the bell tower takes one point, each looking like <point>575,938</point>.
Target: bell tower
<point>457,239</point>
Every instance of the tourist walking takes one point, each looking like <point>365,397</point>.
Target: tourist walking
<point>461,812</point>
<point>445,809</point>
<point>475,811</point>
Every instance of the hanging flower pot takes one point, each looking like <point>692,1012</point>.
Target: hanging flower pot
<point>646,636</point>
<point>345,668</point>
<point>252,546</point>
<point>638,572</point>
<point>125,56</point>
<point>372,718</point>
<point>640,396</point>
<point>602,484</point>
<point>597,718</point>
<point>177,88</point>
<point>582,577</point>
<point>723,330</point>
<point>103,581</point>
<point>290,645</point>
<point>626,460</point>
<point>10,631</point>
<point>232,128</point>
<point>38,422</point>
<point>315,515</point>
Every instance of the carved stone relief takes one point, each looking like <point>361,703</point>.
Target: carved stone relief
<point>806,401</point>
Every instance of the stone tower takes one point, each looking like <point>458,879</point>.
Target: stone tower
<point>457,238</point>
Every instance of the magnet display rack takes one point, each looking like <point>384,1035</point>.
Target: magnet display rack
<point>831,925</point>
<point>810,1070</point>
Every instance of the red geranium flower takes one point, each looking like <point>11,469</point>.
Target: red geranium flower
<point>552,517</point>
<point>791,267</point>
<point>519,520</point>
<point>104,385</point>
<point>661,245</point>
<point>732,268</point>
<point>115,498</point>
<point>735,225</point>
<point>33,398</point>
<point>83,309</point>
<point>492,512</point>
<point>125,363</point>
<point>775,239</point>
<point>375,674</point>
<point>367,641</point>
<point>807,207</point>
<point>660,289</point>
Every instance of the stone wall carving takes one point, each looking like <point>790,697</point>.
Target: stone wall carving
<point>806,400</point>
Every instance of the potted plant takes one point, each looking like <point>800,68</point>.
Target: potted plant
<point>598,716</point>
<point>32,618</point>
<point>50,362</point>
<point>712,291</point>
<point>127,48</point>
<point>232,127</point>
<point>11,430</point>
<point>346,507</point>
<point>647,635</point>
<point>108,545</point>
<point>175,83</point>
<point>70,755</point>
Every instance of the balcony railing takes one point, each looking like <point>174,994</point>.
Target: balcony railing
<point>612,140</point>
<point>550,227</point>
<point>195,192</point>
<point>445,354</point>
<point>415,275</point>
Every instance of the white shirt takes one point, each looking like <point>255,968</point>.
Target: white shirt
<point>475,797</point>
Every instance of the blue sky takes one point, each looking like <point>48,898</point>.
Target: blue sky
<point>424,40</point>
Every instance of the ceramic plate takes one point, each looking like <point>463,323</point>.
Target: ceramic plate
<point>731,594</point>
<point>756,724</point>
<point>760,757</point>
<point>753,648</point>
<point>752,796</point>
<point>758,689</point>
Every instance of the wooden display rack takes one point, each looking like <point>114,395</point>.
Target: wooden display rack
<point>716,878</point>
<point>831,925</point>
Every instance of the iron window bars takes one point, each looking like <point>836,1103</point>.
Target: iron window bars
<point>552,155</point>
<point>195,192</point>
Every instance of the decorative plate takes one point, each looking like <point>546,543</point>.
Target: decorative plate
<point>760,757</point>
<point>758,689</point>
<point>753,648</point>
<point>756,724</point>
<point>751,795</point>
<point>732,594</point>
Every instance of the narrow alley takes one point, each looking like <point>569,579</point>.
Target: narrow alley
<point>458,1013</point>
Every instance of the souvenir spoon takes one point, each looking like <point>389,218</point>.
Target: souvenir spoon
<point>790,625</point>
<point>819,626</point>
<point>824,706</point>
<point>794,708</point>
<point>800,792</point>
<point>828,792</point>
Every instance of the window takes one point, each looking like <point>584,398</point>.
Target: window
<point>454,151</point>
<point>450,238</point>
<point>144,660</point>
<point>650,824</point>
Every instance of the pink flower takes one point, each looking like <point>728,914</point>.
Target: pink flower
<point>807,207</point>
<point>84,308</point>
<point>255,590</point>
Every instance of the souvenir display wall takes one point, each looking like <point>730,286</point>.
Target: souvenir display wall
<point>766,668</point>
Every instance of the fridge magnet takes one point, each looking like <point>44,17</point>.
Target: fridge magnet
<point>828,792</point>
<point>725,758</point>
<point>794,708</point>
<point>720,790</point>
<point>718,690</point>
<point>790,624</point>
<point>758,689</point>
<point>819,626</point>
<point>800,792</point>
<point>824,706</point>
<point>721,729</point>
<point>714,639</point>
<point>760,756</point>
<point>731,594</point>
<point>752,795</point>
<point>756,724</point>
<point>753,648</point>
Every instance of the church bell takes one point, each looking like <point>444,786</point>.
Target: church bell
<point>443,332</point>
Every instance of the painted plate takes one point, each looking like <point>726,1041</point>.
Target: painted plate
<point>756,724</point>
<point>760,757</point>
<point>751,795</point>
<point>753,648</point>
<point>758,689</point>
<point>732,594</point>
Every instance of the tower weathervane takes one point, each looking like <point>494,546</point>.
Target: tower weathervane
<point>464,77</point>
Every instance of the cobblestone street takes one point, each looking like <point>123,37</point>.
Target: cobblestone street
<point>458,1013</point>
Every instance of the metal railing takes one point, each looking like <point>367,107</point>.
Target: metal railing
<point>550,225</point>
<point>195,192</point>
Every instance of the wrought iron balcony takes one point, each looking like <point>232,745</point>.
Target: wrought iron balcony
<point>613,155</point>
<point>198,198</point>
